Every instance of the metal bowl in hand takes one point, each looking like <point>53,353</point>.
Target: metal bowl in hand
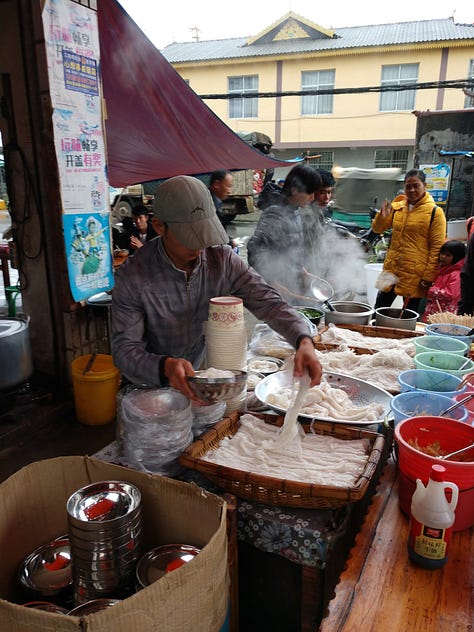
<point>216,389</point>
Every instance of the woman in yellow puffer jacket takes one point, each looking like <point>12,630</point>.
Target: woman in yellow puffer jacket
<point>418,232</point>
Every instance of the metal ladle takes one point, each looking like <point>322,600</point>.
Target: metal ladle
<point>322,292</point>
<point>459,403</point>
<point>448,456</point>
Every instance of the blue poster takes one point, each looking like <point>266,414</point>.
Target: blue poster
<point>89,259</point>
<point>437,181</point>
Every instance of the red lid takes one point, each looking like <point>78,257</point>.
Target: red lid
<point>438,473</point>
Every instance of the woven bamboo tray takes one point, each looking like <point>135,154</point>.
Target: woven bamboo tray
<point>371,331</point>
<point>276,491</point>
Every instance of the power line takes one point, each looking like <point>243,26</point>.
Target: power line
<point>427,85</point>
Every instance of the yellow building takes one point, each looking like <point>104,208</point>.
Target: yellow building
<point>333,93</point>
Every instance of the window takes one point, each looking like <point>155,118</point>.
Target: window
<point>244,107</point>
<point>469,100</point>
<point>317,103</point>
<point>397,75</point>
<point>325,160</point>
<point>391,158</point>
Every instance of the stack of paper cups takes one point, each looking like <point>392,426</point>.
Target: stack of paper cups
<point>226,340</point>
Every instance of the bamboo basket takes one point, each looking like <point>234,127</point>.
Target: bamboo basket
<point>371,331</point>
<point>276,491</point>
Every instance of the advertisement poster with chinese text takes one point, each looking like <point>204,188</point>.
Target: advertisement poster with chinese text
<point>73,54</point>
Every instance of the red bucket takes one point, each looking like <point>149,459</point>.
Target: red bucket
<point>412,464</point>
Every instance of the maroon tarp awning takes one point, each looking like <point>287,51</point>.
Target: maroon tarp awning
<point>156,126</point>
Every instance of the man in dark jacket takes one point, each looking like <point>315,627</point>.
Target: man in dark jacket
<point>276,249</point>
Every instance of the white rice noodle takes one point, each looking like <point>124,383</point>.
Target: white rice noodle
<point>317,459</point>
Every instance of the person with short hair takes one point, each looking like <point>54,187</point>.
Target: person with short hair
<point>314,221</point>
<point>418,232</point>
<point>141,229</point>
<point>161,295</point>
<point>220,186</point>
<point>276,249</point>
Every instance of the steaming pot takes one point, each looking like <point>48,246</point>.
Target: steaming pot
<point>16,363</point>
<point>348,313</point>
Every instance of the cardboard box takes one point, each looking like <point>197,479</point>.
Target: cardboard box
<point>192,598</point>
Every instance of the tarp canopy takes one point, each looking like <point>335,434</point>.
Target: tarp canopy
<point>156,125</point>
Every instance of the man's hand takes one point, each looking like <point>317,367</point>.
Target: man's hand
<point>306,360</point>
<point>177,370</point>
<point>135,242</point>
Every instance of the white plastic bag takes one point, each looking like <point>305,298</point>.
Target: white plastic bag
<point>386,280</point>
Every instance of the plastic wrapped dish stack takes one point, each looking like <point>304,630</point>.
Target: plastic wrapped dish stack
<point>154,426</point>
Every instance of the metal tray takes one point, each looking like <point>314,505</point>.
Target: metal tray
<point>360,392</point>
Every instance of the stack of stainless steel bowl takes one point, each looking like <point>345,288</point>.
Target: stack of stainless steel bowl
<point>105,529</point>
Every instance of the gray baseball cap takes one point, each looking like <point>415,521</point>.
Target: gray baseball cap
<point>186,205</point>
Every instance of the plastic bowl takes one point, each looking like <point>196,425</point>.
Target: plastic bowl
<point>447,329</point>
<point>468,405</point>
<point>440,343</point>
<point>419,403</point>
<point>444,361</point>
<point>216,389</point>
<point>451,435</point>
<point>431,381</point>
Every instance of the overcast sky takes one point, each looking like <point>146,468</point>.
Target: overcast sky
<point>167,21</point>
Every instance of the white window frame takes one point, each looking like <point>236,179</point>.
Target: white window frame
<point>395,158</point>
<point>244,107</point>
<point>317,104</point>
<point>325,160</point>
<point>397,75</point>
<point>469,101</point>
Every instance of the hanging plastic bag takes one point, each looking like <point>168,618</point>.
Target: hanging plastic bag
<point>386,280</point>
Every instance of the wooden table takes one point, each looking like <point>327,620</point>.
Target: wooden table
<point>381,590</point>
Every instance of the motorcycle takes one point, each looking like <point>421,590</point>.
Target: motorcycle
<point>373,244</point>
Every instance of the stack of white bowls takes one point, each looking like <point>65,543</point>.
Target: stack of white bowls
<point>226,340</point>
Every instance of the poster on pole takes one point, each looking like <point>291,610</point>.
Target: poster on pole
<point>73,57</point>
<point>437,181</point>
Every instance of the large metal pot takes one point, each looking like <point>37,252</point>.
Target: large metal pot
<point>390,317</point>
<point>16,363</point>
<point>348,313</point>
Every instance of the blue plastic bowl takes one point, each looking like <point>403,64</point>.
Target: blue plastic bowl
<point>444,361</point>
<point>422,403</point>
<point>440,343</point>
<point>431,381</point>
<point>447,329</point>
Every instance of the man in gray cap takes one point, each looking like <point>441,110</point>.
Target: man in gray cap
<point>161,295</point>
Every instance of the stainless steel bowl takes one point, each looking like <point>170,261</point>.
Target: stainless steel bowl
<point>103,502</point>
<point>47,570</point>
<point>47,606</point>
<point>216,389</point>
<point>161,560</point>
<point>348,313</point>
<point>93,606</point>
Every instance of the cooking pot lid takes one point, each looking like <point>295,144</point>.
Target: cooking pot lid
<point>9,327</point>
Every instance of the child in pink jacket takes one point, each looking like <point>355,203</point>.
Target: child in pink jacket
<point>444,294</point>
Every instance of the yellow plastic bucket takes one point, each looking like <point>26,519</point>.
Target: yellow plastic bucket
<point>95,391</point>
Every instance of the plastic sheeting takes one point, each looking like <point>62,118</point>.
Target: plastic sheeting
<point>156,125</point>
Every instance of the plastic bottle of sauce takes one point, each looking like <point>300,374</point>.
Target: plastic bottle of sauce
<point>431,520</point>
